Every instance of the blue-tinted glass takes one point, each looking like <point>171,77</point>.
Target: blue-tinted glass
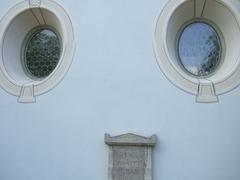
<point>42,53</point>
<point>199,49</point>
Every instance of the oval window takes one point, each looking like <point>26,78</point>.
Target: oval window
<point>41,53</point>
<point>199,49</point>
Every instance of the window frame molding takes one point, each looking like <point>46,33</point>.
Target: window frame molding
<point>27,92</point>
<point>205,89</point>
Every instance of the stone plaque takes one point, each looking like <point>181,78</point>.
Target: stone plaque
<point>130,157</point>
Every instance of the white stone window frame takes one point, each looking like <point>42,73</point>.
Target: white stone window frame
<point>45,12</point>
<point>226,17</point>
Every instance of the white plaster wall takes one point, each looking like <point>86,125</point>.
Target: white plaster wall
<point>116,86</point>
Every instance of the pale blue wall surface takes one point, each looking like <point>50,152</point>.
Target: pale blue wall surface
<point>115,85</point>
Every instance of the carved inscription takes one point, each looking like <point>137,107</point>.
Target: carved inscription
<point>129,162</point>
<point>130,156</point>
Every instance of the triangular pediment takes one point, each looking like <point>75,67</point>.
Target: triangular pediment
<point>130,139</point>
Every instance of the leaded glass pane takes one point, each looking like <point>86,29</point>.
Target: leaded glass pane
<point>42,53</point>
<point>199,49</point>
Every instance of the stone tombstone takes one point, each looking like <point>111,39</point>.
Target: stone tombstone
<point>130,157</point>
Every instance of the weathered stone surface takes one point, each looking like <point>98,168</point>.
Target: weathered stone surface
<point>130,157</point>
<point>130,139</point>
